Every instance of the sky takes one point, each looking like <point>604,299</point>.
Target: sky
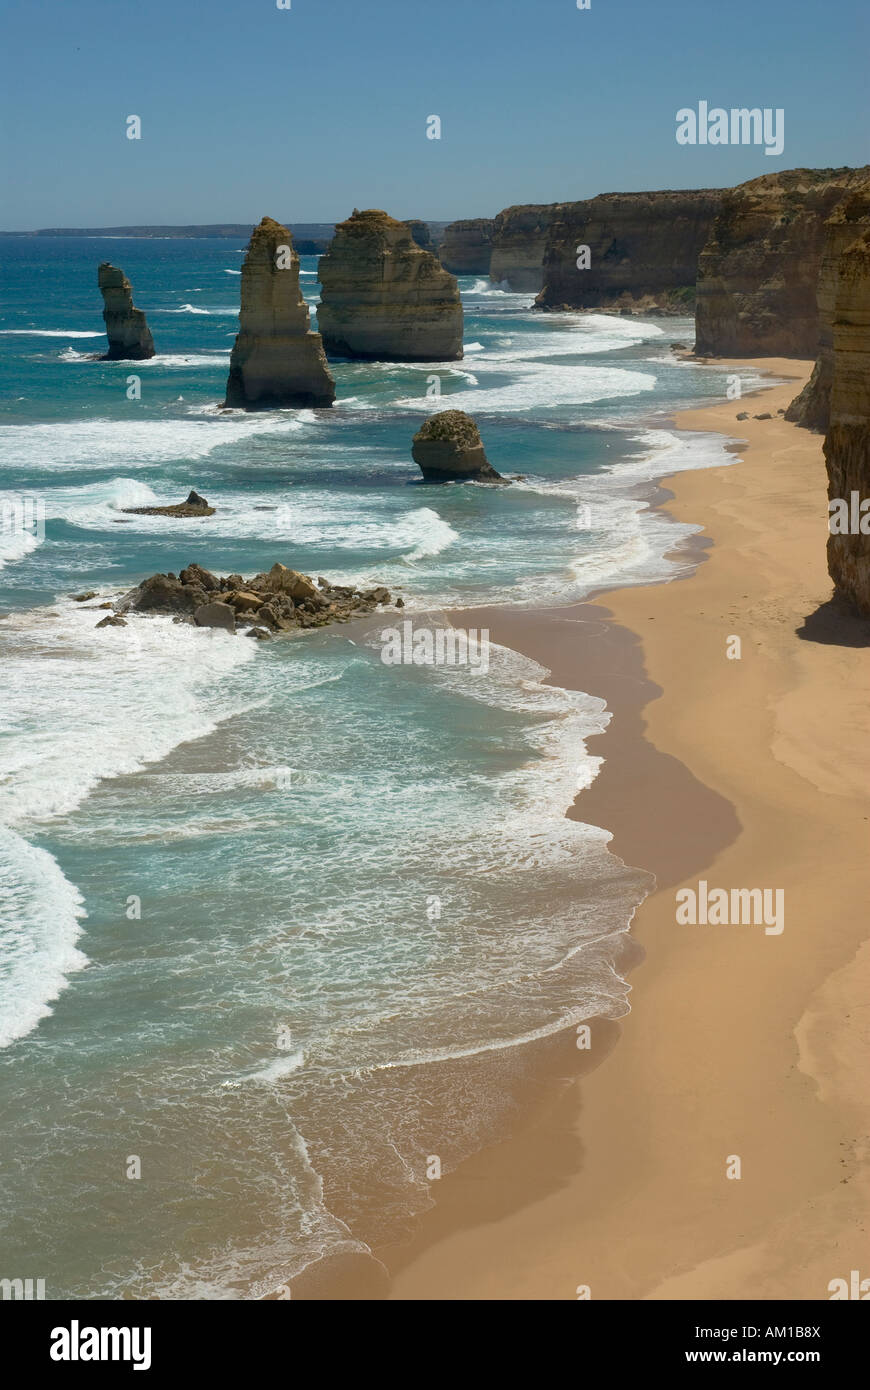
<point>305,113</point>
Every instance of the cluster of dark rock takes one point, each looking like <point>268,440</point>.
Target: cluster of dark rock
<point>280,601</point>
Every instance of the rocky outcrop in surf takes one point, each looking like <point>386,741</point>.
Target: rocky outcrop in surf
<point>448,449</point>
<point>384,298</point>
<point>280,601</point>
<point>195,506</point>
<point>126,327</point>
<point>847,444</point>
<point>759,271</point>
<point>633,252</point>
<point>852,217</point>
<point>467,246</point>
<point>277,361</point>
<point>519,241</point>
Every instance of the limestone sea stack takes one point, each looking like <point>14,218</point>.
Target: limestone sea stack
<point>421,232</point>
<point>384,298</point>
<point>277,361</point>
<point>643,251</point>
<point>759,271</point>
<point>847,444</point>
<point>128,332</point>
<point>448,449</point>
<point>467,246</point>
<point>519,240</point>
<point>849,219</point>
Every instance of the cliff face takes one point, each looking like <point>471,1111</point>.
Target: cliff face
<point>128,332</point>
<point>519,241</point>
<point>421,232</point>
<point>847,445</point>
<point>758,273</point>
<point>467,246</point>
<point>276,361</point>
<point>812,407</point>
<point>643,251</point>
<point>384,298</point>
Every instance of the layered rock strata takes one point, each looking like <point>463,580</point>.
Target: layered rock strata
<point>634,252</point>
<point>467,246</point>
<point>126,327</point>
<point>759,271</point>
<point>448,448</point>
<point>847,444</point>
<point>519,241</point>
<point>849,219</point>
<point>421,233</point>
<point>384,298</point>
<point>277,361</point>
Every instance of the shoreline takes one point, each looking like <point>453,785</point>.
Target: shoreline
<point>647,1210</point>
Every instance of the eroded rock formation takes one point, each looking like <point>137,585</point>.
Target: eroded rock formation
<point>519,240</point>
<point>448,448</point>
<point>384,298</point>
<point>195,506</point>
<point>282,600</point>
<point>126,327</point>
<point>467,246</point>
<point>277,361</point>
<point>847,444</point>
<point>812,407</point>
<point>759,271</point>
<point>421,232</point>
<point>642,254</point>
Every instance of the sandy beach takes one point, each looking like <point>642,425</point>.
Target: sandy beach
<point>746,773</point>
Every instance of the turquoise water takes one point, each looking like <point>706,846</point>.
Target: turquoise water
<point>275,917</point>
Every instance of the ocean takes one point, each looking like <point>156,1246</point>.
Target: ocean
<point>277,919</point>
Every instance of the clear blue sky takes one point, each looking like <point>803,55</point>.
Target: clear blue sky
<point>306,113</point>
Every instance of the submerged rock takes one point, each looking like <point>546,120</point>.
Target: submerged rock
<point>194,506</point>
<point>448,448</point>
<point>126,327</point>
<point>277,361</point>
<point>384,297</point>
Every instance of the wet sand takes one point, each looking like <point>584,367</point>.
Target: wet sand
<point>747,773</point>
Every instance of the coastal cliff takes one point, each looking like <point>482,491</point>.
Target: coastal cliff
<point>467,246</point>
<point>519,240</point>
<point>385,298</point>
<point>759,271</point>
<point>277,361</point>
<point>643,251</point>
<point>126,327</point>
<point>812,407</point>
<point>421,232</point>
<point>847,444</point>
